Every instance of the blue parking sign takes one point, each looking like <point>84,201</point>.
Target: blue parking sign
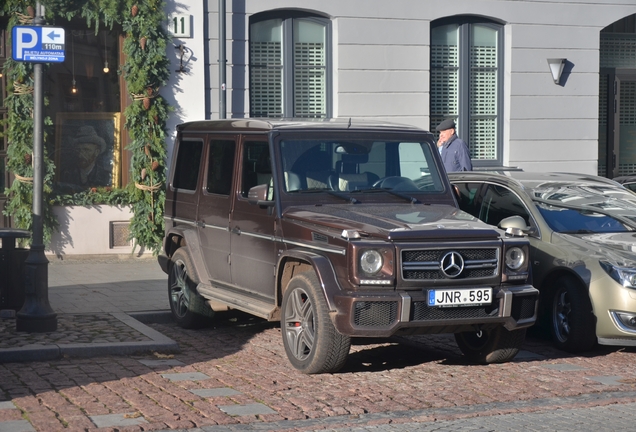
<point>38,44</point>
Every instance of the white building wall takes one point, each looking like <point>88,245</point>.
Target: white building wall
<point>381,67</point>
<point>185,91</point>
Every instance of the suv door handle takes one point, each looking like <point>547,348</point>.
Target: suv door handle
<point>200,224</point>
<point>236,230</point>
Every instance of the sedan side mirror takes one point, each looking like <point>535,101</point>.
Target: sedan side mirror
<point>514,226</point>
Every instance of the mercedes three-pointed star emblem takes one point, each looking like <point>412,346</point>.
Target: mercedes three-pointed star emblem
<point>452,264</point>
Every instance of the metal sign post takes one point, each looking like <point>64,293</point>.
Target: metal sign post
<point>36,314</point>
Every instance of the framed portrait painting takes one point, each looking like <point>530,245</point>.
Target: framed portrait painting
<point>87,150</point>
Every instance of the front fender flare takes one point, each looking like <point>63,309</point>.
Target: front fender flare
<point>321,266</point>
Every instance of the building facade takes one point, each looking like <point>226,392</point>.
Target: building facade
<point>483,63</point>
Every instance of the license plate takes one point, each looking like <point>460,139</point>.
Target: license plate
<point>460,297</point>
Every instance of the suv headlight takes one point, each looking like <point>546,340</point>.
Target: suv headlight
<point>371,262</point>
<point>623,275</point>
<point>516,263</point>
<point>515,258</point>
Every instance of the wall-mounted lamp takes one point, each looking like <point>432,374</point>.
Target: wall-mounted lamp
<point>182,50</point>
<point>556,68</point>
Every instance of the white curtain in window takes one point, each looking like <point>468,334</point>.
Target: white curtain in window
<point>310,68</point>
<point>483,93</point>
<point>266,68</point>
<point>444,74</point>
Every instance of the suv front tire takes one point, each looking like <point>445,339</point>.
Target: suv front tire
<point>312,343</point>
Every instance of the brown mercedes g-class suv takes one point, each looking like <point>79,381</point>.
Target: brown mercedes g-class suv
<point>338,229</point>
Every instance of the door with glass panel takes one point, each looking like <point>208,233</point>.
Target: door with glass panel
<point>617,123</point>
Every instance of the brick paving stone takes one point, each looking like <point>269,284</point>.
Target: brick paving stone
<point>16,426</point>
<point>116,420</point>
<point>215,392</point>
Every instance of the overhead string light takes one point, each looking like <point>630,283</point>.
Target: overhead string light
<point>106,68</point>
<point>73,88</point>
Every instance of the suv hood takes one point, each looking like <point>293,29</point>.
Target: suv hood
<point>396,221</point>
<point>617,248</point>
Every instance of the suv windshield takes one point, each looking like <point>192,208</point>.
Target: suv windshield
<point>314,165</point>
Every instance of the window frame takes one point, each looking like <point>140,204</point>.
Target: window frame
<point>464,81</point>
<point>287,50</point>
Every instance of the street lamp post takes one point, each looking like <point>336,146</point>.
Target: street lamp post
<point>36,314</point>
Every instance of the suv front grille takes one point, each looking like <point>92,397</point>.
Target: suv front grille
<point>523,306</point>
<point>375,313</point>
<point>426,264</point>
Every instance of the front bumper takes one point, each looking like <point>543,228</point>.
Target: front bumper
<point>613,305</point>
<point>371,314</point>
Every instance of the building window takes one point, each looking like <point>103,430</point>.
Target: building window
<point>466,83</point>
<point>290,65</point>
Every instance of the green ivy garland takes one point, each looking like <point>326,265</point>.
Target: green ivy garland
<point>146,70</point>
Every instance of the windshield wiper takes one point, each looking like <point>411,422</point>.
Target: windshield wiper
<point>408,198</point>
<point>580,231</point>
<point>329,191</point>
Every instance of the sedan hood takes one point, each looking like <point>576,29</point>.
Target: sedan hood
<point>617,248</point>
<point>396,222</point>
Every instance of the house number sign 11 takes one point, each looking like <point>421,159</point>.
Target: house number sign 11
<point>179,26</point>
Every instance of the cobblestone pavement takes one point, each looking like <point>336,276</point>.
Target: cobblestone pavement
<point>234,375</point>
<point>72,328</point>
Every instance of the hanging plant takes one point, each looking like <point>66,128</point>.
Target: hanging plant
<point>146,70</point>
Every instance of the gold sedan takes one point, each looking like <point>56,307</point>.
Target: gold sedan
<point>582,232</point>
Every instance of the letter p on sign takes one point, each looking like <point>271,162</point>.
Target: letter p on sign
<point>26,38</point>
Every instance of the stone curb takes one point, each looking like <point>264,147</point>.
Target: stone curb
<point>158,343</point>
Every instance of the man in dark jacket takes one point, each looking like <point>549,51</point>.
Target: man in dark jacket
<point>453,149</point>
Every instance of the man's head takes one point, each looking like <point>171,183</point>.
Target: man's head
<point>88,145</point>
<point>446,129</point>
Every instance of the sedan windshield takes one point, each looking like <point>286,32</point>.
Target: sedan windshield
<point>576,221</point>
<point>363,165</point>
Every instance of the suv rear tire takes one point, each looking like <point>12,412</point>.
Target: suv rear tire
<point>182,295</point>
<point>312,343</point>
<point>497,345</point>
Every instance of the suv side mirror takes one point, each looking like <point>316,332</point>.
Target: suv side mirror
<point>257,195</point>
<point>514,226</point>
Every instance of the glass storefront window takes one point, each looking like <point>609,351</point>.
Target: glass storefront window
<point>85,106</point>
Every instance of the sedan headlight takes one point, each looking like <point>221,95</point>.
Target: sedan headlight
<point>515,258</point>
<point>371,262</point>
<point>623,275</point>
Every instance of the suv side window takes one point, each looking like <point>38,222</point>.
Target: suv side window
<point>220,166</point>
<point>186,171</point>
<point>500,203</point>
<point>257,166</point>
